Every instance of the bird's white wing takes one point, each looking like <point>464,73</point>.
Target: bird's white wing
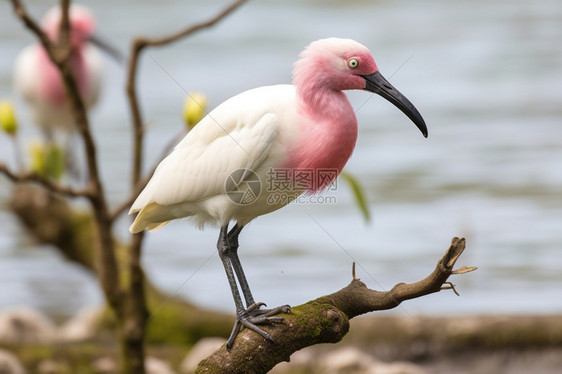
<point>231,137</point>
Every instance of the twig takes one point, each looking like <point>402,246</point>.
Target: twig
<point>52,186</point>
<point>59,54</point>
<point>139,44</point>
<point>158,42</point>
<point>450,286</point>
<point>136,312</point>
<point>20,12</point>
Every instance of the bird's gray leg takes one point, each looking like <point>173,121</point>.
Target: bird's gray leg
<point>224,254</point>
<point>223,248</point>
<point>253,308</point>
<point>233,241</point>
<point>251,316</point>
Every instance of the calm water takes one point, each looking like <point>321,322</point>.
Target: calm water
<point>487,78</point>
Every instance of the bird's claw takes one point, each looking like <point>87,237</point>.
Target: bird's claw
<point>253,316</point>
<point>279,309</point>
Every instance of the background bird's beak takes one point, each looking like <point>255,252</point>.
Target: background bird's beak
<point>378,84</point>
<point>107,48</point>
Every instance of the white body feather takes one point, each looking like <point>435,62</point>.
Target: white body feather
<point>253,130</point>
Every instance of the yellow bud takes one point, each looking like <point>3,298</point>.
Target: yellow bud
<point>37,151</point>
<point>194,109</point>
<point>8,120</point>
<point>46,159</point>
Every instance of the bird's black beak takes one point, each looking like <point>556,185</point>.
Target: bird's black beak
<point>378,84</point>
<point>107,48</point>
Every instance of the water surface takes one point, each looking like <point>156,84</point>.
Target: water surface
<point>485,75</point>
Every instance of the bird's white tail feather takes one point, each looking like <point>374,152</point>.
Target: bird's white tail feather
<point>143,220</point>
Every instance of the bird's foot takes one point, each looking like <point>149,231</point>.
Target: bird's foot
<point>253,316</point>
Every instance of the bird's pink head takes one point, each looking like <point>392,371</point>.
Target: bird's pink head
<point>333,63</point>
<point>82,23</point>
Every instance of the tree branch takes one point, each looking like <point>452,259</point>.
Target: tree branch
<point>139,44</point>
<point>126,298</point>
<point>324,320</point>
<point>21,13</point>
<point>136,313</point>
<point>159,42</point>
<point>52,186</point>
<point>59,54</point>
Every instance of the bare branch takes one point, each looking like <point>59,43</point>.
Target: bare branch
<point>136,49</point>
<point>129,304</point>
<point>59,53</point>
<point>139,44</point>
<point>64,31</point>
<point>367,300</point>
<point>450,286</point>
<point>136,313</point>
<point>52,186</point>
<point>324,320</point>
<point>21,13</point>
<point>464,269</point>
<point>158,42</point>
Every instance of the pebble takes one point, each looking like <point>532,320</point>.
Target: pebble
<point>82,326</point>
<point>200,350</point>
<point>9,363</point>
<point>23,325</point>
<point>155,365</point>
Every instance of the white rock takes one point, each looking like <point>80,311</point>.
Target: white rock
<point>354,360</point>
<point>49,366</point>
<point>345,360</point>
<point>200,350</point>
<point>82,326</point>
<point>25,325</point>
<point>300,360</point>
<point>104,365</point>
<point>9,363</point>
<point>154,365</point>
<point>396,368</point>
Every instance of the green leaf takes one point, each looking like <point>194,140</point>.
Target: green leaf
<point>358,194</point>
<point>55,162</point>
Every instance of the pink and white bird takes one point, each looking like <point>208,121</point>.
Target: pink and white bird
<point>285,139</point>
<point>38,81</point>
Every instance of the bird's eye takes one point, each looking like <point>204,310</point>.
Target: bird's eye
<point>353,63</point>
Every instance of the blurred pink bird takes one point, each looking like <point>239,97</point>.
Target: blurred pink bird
<point>272,141</point>
<point>39,82</point>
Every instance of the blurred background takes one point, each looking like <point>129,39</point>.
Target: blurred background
<point>486,76</point>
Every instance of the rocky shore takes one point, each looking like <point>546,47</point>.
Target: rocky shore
<point>31,343</point>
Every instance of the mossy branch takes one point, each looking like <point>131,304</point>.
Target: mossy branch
<point>325,320</point>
